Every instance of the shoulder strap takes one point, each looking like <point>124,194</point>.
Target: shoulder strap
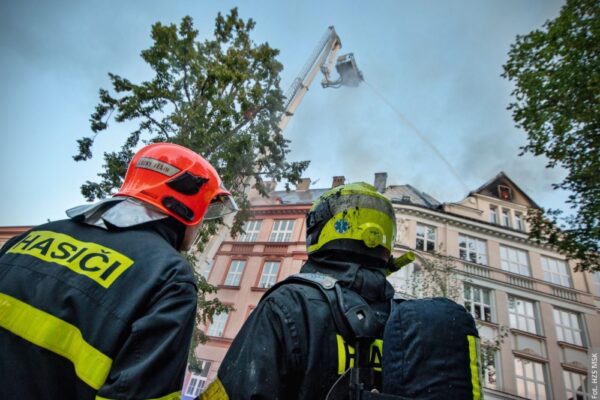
<point>328,286</point>
<point>353,321</point>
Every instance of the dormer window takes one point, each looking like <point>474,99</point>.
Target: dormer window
<point>504,193</point>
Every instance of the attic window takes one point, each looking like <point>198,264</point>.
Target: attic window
<point>504,192</point>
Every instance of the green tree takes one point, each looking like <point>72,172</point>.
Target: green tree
<point>556,72</point>
<point>219,97</point>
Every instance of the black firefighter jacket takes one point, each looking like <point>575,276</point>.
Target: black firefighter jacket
<point>289,347</point>
<point>88,313</point>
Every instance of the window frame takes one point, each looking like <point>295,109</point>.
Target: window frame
<point>596,282</point>
<point>424,236</point>
<point>480,304</point>
<point>519,221</point>
<point>274,276</point>
<point>276,231</point>
<point>510,262</point>
<point>252,231</point>
<point>478,242</point>
<point>238,274</point>
<point>545,262</point>
<point>494,218</point>
<point>221,318</point>
<point>403,280</point>
<point>505,218</point>
<point>535,379</point>
<point>486,351</point>
<point>200,378</point>
<point>504,189</point>
<point>562,329</point>
<point>570,389</point>
<point>517,325</point>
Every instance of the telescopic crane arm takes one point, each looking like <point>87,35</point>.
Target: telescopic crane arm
<point>321,59</point>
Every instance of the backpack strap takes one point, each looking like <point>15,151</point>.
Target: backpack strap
<point>353,321</point>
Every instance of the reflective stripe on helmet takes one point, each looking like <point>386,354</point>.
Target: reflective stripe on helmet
<point>358,224</point>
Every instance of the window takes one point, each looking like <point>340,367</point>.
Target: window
<point>472,249</point>
<point>252,228</point>
<point>505,218</point>
<point>504,192</point>
<point>269,274</point>
<point>568,327</point>
<point>478,302</point>
<point>218,325</point>
<point>596,278</point>
<point>555,271</point>
<point>514,260</point>
<point>404,280</point>
<point>489,362</point>
<point>235,273</point>
<point>530,379</point>
<point>197,382</point>
<point>576,386</point>
<point>519,221</point>
<point>282,230</point>
<point>493,215</point>
<point>425,238</point>
<point>207,268</point>
<point>522,315</point>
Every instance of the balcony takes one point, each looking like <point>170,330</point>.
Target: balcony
<point>525,282</point>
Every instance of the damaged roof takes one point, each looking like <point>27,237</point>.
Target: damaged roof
<point>407,194</point>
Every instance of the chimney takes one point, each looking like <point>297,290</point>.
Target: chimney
<point>304,184</point>
<point>338,181</point>
<point>380,181</point>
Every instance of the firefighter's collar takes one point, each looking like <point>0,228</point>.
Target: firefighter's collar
<point>120,212</point>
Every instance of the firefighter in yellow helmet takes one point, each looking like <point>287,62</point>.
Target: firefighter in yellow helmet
<point>102,305</point>
<point>299,340</point>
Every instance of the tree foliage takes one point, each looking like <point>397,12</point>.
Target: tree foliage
<point>556,72</point>
<point>219,97</point>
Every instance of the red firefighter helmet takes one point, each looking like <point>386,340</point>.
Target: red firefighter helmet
<point>177,181</point>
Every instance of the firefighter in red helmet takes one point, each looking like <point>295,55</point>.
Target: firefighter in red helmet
<point>102,305</point>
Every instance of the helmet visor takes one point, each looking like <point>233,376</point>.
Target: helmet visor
<point>219,206</point>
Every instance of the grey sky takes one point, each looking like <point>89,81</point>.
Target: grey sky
<point>437,62</point>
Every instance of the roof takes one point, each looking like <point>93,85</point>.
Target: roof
<point>297,196</point>
<point>489,188</point>
<point>406,194</point>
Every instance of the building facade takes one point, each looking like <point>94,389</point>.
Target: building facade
<point>524,294</point>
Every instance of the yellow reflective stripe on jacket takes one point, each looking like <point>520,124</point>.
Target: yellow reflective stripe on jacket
<point>347,355</point>
<point>474,363</point>
<point>99,263</point>
<point>171,396</point>
<point>52,333</point>
<point>215,391</point>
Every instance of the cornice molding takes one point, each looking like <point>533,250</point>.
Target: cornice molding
<point>473,226</point>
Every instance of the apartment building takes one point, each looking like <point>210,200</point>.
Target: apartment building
<point>548,314</point>
<point>7,232</point>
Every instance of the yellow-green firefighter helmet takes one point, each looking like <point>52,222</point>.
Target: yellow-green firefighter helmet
<point>353,221</point>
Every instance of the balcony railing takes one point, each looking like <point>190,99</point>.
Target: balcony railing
<point>521,282</point>
<point>478,270</point>
<point>525,282</point>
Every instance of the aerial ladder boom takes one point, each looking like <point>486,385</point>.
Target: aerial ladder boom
<point>321,59</point>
